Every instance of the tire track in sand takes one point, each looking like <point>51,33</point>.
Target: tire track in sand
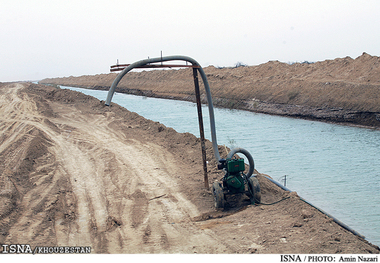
<point>125,194</point>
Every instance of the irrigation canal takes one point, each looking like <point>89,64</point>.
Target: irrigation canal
<point>334,167</point>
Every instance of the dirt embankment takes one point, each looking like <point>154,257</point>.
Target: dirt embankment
<point>74,172</point>
<point>341,90</point>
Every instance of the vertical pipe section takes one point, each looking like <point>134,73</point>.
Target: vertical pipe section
<point>201,130</point>
<point>205,83</point>
<point>211,114</point>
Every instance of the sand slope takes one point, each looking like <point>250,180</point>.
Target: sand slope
<point>342,90</point>
<point>77,173</point>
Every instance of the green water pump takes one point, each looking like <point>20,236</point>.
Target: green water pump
<point>235,181</point>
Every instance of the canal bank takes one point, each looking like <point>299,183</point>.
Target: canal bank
<point>108,178</point>
<point>334,167</point>
<point>343,90</point>
<point>342,116</point>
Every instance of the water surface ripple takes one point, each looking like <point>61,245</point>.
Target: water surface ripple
<point>335,167</point>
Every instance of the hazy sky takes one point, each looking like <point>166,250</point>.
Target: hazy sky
<point>48,38</point>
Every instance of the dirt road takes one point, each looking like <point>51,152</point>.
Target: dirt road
<point>77,173</point>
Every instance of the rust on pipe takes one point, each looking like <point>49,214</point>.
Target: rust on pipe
<point>123,66</point>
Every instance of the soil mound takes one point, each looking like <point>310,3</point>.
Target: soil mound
<point>74,172</point>
<point>342,90</point>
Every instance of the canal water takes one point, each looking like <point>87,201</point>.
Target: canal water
<point>334,167</point>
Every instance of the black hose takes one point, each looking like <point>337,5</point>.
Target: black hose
<point>261,203</point>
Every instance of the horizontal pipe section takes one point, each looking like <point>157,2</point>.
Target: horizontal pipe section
<point>123,66</point>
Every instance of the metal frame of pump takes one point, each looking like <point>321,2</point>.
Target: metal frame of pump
<point>234,181</point>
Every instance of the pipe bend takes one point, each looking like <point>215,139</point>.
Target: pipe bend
<point>111,91</point>
<point>249,157</point>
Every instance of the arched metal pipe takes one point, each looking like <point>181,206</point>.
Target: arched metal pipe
<point>169,58</point>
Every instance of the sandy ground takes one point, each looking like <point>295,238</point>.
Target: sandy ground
<point>77,173</point>
<point>343,90</point>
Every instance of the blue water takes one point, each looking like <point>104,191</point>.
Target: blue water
<point>335,167</point>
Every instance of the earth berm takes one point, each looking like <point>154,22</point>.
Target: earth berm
<point>343,90</point>
<point>75,172</point>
